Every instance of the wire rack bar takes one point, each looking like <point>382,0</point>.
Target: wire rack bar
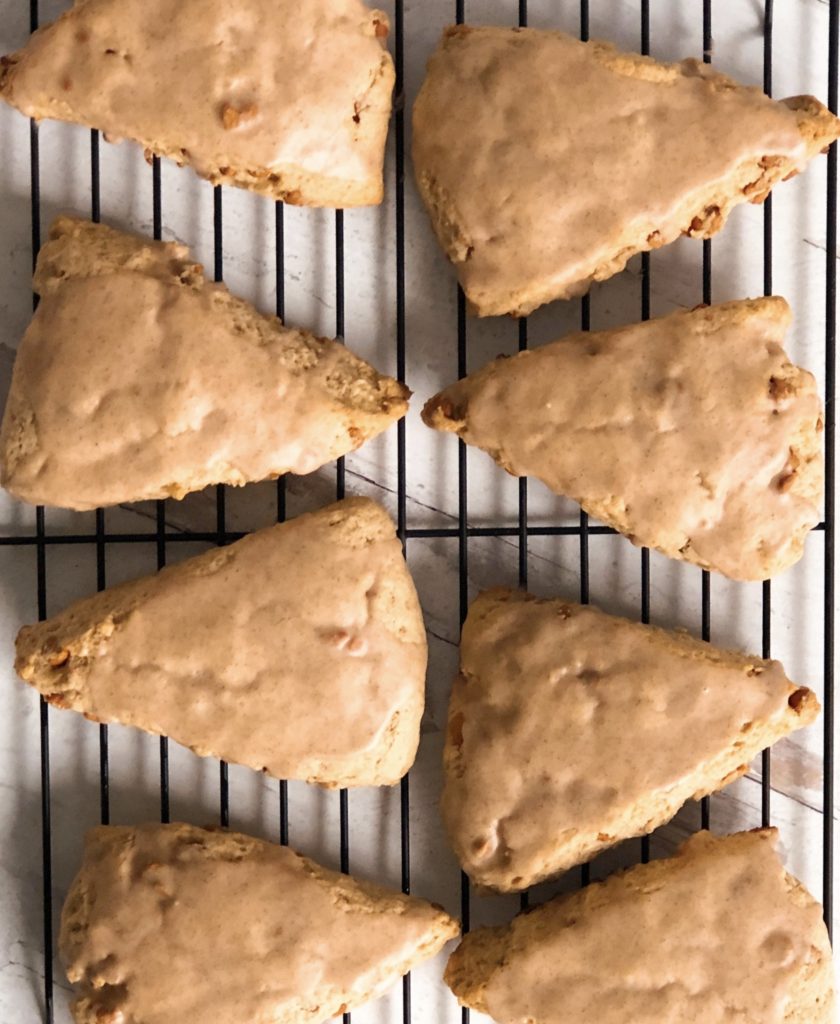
<point>402,471</point>
<point>104,766</point>
<point>199,536</point>
<point>280,309</point>
<point>160,506</point>
<point>644,611</point>
<point>463,533</point>
<point>221,510</point>
<point>766,592</point>
<point>705,576</point>
<point>524,897</point>
<point>340,489</point>
<point>99,515</point>
<point>584,529</point>
<point>522,21</point>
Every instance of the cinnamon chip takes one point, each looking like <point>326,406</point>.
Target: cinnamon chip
<point>233,117</point>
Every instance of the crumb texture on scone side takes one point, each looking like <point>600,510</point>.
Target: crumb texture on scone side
<point>171,923</point>
<point>693,434</point>
<point>137,379</point>
<point>299,650</point>
<point>563,159</point>
<point>287,99</point>
<point>719,932</point>
<point>570,730</point>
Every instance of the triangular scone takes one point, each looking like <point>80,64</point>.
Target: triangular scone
<point>299,650</point>
<point>546,163</point>
<point>170,923</point>
<point>139,379</point>
<point>719,933</point>
<point>285,98</point>
<point>570,730</point>
<point>693,434</point>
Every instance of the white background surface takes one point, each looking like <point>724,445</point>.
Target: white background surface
<point>800,65</point>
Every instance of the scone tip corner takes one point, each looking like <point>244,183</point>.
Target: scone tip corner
<point>439,413</point>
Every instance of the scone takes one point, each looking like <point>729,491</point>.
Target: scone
<point>570,730</point>
<point>693,434</point>
<point>546,163</point>
<point>170,923</point>
<point>291,100</point>
<point>718,933</point>
<point>299,650</point>
<point>139,379</point>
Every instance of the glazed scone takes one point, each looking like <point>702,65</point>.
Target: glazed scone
<point>546,163</point>
<point>693,434</point>
<point>719,933</point>
<point>570,730</point>
<point>299,650</point>
<point>169,923</point>
<point>139,379</point>
<point>291,100</point>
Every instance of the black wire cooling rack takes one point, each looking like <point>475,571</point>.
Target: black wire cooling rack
<point>42,540</point>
